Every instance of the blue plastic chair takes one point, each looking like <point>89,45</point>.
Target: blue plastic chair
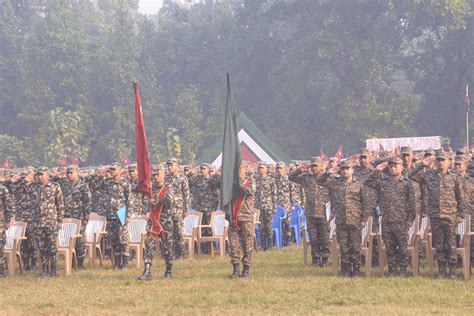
<point>277,227</point>
<point>295,225</point>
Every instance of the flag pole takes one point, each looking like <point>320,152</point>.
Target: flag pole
<point>467,117</point>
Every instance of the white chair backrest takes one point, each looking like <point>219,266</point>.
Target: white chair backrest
<point>218,225</point>
<point>424,225</point>
<point>135,229</point>
<point>332,228</point>
<point>65,233</point>
<point>94,227</point>
<point>14,232</point>
<point>411,232</point>
<point>190,222</point>
<point>328,210</point>
<point>463,229</point>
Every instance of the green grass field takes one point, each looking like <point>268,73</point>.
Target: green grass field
<point>279,284</point>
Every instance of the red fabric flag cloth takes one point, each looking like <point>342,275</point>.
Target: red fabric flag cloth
<point>63,162</point>
<point>126,162</point>
<point>6,164</point>
<point>155,214</point>
<point>143,162</point>
<point>338,154</point>
<point>75,161</point>
<point>323,155</point>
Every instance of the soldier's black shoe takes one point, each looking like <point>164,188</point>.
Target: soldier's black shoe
<point>53,269</point>
<point>146,276</point>
<point>45,272</point>
<point>316,262</point>
<point>346,270</point>
<point>124,262</point>
<point>118,262</point>
<point>26,264</point>
<point>356,270</point>
<point>245,272</point>
<point>80,263</point>
<point>236,271</point>
<point>392,271</point>
<point>403,272</point>
<point>452,273</point>
<point>442,271</point>
<point>33,264</point>
<point>168,274</point>
<point>324,262</point>
<point>375,262</point>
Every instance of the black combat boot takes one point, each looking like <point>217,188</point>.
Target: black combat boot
<point>80,263</point>
<point>118,262</point>
<point>441,270</point>
<point>53,268</point>
<point>33,264</point>
<point>235,272</point>
<point>146,276</point>
<point>324,262</point>
<point>26,263</point>
<point>125,262</point>
<point>245,272</point>
<point>375,262</point>
<point>345,270</point>
<point>316,262</point>
<point>168,274</point>
<point>452,273</point>
<point>356,270</point>
<point>392,270</point>
<point>403,272</point>
<point>45,266</point>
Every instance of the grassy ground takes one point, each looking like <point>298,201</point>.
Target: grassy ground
<point>279,284</point>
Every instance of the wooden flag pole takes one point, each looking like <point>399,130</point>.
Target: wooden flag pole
<point>467,118</point>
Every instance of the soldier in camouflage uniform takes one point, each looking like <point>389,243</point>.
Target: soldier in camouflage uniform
<point>362,173</point>
<point>166,221</point>
<point>77,204</point>
<point>296,190</point>
<point>242,236</point>
<point>446,200</point>
<point>265,201</point>
<point>138,200</point>
<point>5,217</point>
<point>181,201</point>
<point>316,198</point>
<point>396,198</point>
<point>118,192</point>
<point>49,216</point>
<point>283,198</point>
<point>27,201</point>
<point>98,189</point>
<point>348,206</point>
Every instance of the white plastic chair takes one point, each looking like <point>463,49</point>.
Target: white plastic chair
<point>14,236</point>
<point>66,242</point>
<point>137,233</point>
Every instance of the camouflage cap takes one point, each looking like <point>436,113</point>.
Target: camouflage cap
<point>461,151</point>
<point>461,159</point>
<point>157,169</point>
<point>27,171</point>
<point>395,160</point>
<point>280,164</point>
<point>262,163</point>
<point>187,167</point>
<point>205,165</point>
<point>59,169</point>
<point>296,163</point>
<point>72,168</point>
<point>333,159</point>
<point>42,169</point>
<point>406,150</point>
<point>441,154</point>
<point>132,167</point>
<point>171,160</point>
<point>364,152</point>
<point>429,152</point>
<point>115,165</point>
<point>346,164</point>
<point>316,160</point>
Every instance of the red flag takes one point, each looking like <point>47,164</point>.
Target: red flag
<point>468,101</point>
<point>75,161</point>
<point>323,155</point>
<point>126,162</point>
<point>6,164</point>
<point>338,154</point>
<point>63,161</point>
<point>143,162</point>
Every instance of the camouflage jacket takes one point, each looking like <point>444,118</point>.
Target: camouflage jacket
<point>297,195</point>
<point>396,198</point>
<point>27,202</point>
<point>77,201</point>
<point>181,192</point>
<point>169,198</point>
<point>118,193</point>
<point>5,208</point>
<point>283,191</point>
<point>246,213</point>
<point>468,184</point>
<point>203,197</point>
<point>418,190</point>
<point>363,175</point>
<point>265,192</point>
<point>138,200</point>
<point>446,197</point>
<point>98,188</point>
<point>348,199</point>
<point>50,210</point>
<point>316,195</point>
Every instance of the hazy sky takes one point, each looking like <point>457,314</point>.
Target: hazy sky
<point>150,6</point>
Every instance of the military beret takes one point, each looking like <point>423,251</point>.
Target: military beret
<point>132,167</point>
<point>171,160</point>
<point>280,164</point>
<point>406,150</point>
<point>72,168</point>
<point>346,164</point>
<point>364,152</point>
<point>316,160</point>
<point>429,152</point>
<point>441,154</point>
<point>42,169</point>
<point>395,160</point>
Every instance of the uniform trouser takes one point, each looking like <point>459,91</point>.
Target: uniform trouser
<point>167,241</point>
<point>375,230</point>
<point>395,237</point>
<point>46,241</point>
<point>266,223</point>
<point>444,240</point>
<point>81,243</point>
<point>241,237</point>
<point>472,239</point>
<point>287,227</point>
<point>118,238</point>
<point>318,229</point>
<point>206,220</point>
<point>178,222</point>
<point>29,246</point>
<point>349,238</point>
<point>2,246</point>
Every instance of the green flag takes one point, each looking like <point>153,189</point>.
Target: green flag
<point>231,155</point>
